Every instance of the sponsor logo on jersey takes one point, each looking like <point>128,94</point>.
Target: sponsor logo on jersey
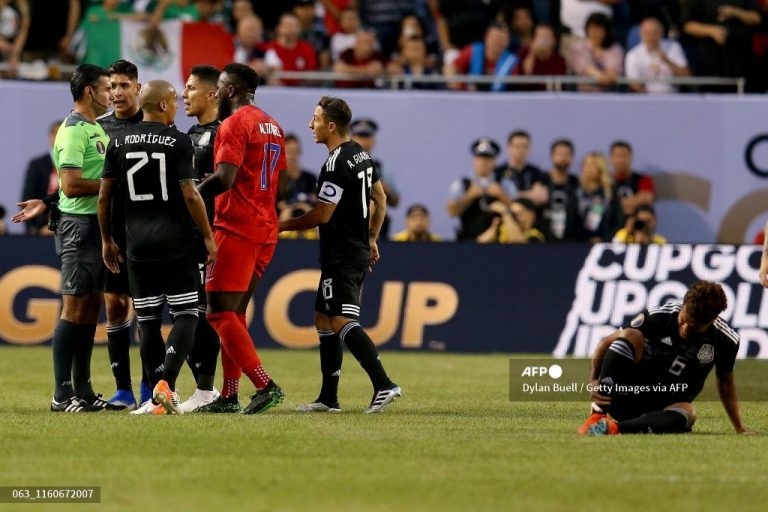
<point>706,354</point>
<point>667,341</point>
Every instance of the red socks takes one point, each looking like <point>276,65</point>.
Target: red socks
<point>237,346</point>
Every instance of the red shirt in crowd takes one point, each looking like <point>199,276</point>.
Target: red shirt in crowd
<point>251,140</point>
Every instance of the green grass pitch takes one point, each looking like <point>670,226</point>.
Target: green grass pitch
<point>454,442</point>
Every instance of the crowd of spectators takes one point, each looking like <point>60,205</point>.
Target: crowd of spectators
<point>517,202</point>
<point>369,39</point>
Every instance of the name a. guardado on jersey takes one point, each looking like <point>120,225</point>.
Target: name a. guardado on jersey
<point>148,138</point>
<point>361,157</point>
<point>270,129</point>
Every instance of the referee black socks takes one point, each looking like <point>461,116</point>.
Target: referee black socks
<point>366,354</point>
<point>81,365</point>
<point>64,346</point>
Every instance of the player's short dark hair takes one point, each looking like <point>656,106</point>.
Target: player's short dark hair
<point>209,75</point>
<point>561,142</point>
<point>704,301</point>
<point>518,133</point>
<point>124,67</point>
<point>418,207</point>
<point>337,111</point>
<point>291,137</point>
<point>85,75</point>
<point>621,144</point>
<point>248,77</point>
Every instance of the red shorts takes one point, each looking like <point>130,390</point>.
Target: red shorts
<point>238,259</point>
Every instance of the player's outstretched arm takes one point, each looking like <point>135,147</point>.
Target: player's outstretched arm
<point>30,209</point>
<point>196,208</point>
<point>726,388</point>
<point>319,214</point>
<point>110,252</point>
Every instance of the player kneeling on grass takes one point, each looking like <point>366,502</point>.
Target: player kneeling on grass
<point>645,377</point>
<point>152,162</point>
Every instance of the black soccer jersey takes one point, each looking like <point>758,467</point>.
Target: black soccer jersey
<point>202,136</point>
<point>346,180</point>
<point>115,128</point>
<point>148,161</point>
<point>669,359</point>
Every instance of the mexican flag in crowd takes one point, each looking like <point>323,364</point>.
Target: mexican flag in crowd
<point>167,53</point>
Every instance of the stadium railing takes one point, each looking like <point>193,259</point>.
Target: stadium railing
<point>552,83</point>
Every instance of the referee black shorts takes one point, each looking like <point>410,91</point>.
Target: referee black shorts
<point>78,244</point>
<point>153,283</point>
<point>339,292</point>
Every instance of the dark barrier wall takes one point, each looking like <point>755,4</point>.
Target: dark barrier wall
<point>455,297</point>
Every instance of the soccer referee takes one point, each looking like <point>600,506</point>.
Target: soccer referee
<point>78,154</point>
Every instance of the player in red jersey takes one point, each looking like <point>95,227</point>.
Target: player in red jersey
<point>249,154</point>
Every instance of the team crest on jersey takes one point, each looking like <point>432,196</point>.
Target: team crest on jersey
<point>637,321</point>
<point>205,139</point>
<point>706,354</point>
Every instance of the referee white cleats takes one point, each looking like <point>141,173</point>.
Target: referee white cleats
<point>200,398</point>
<point>383,398</point>
<point>145,408</point>
<point>319,407</point>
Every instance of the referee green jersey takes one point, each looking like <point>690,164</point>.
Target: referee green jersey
<point>80,144</point>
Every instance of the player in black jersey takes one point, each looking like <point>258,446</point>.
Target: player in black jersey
<point>200,101</point>
<point>147,161</point>
<point>645,377</point>
<point>124,77</point>
<point>348,186</point>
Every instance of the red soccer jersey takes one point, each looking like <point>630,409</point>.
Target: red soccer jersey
<point>253,141</point>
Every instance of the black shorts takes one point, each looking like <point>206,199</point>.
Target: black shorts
<point>339,292</point>
<point>118,283</point>
<point>153,283</point>
<point>628,407</point>
<point>78,244</point>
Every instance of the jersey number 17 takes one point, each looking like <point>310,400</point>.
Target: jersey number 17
<point>366,183</point>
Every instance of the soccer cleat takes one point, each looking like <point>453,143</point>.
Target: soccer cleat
<point>123,400</point>
<point>606,426</point>
<point>265,398</point>
<point>98,401</point>
<point>73,404</point>
<point>200,398</point>
<point>593,418</point>
<point>150,408</point>
<point>145,392</point>
<point>319,406</point>
<point>383,398</point>
<point>144,408</point>
<point>163,395</point>
<point>230,404</point>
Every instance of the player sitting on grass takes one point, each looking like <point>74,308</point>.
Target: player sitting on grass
<point>645,377</point>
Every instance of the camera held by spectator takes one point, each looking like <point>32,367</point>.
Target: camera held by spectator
<point>640,228</point>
